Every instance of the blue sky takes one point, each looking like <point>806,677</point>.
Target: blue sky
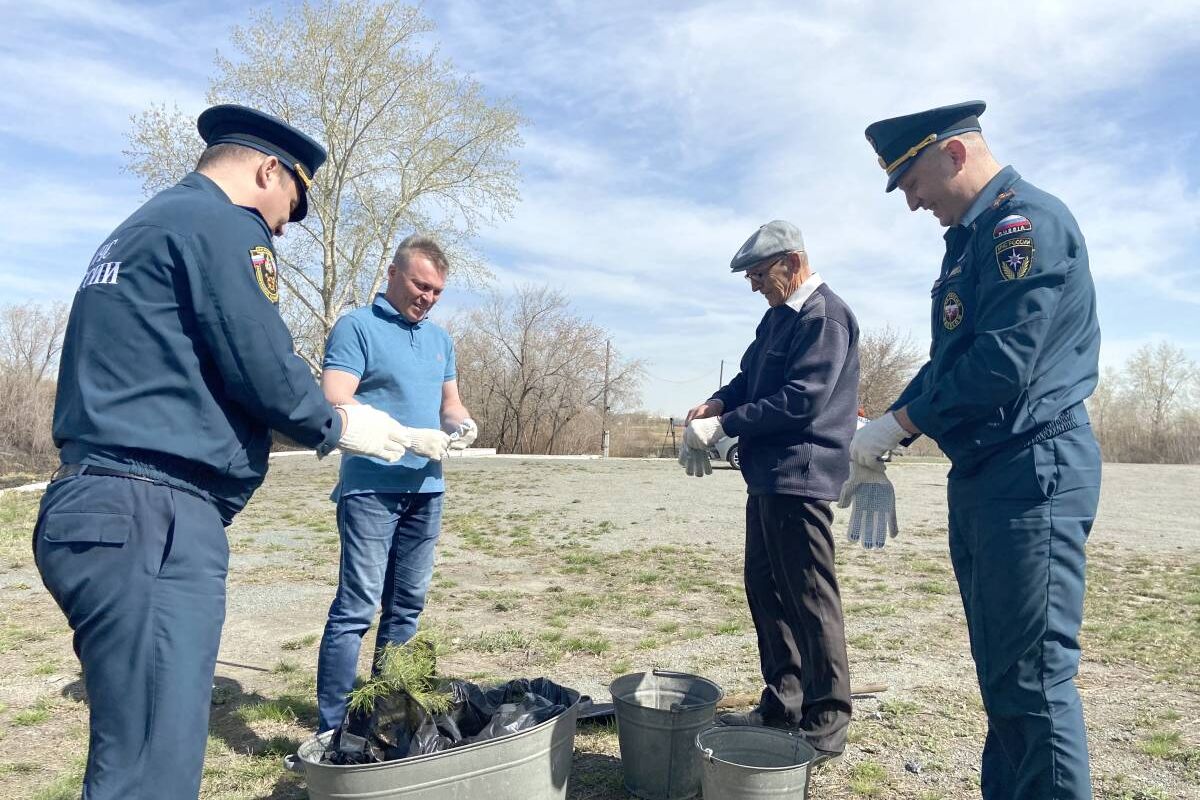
<point>662,134</point>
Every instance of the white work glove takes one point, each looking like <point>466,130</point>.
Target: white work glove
<point>429,442</point>
<point>696,462</point>
<point>872,441</point>
<point>702,434</point>
<point>371,432</point>
<point>467,431</point>
<point>874,499</point>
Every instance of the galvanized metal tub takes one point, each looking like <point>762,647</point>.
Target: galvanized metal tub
<point>658,716</point>
<point>742,762</point>
<point>531,765</point>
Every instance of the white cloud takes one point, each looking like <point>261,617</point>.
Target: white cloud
<point>662,135</point>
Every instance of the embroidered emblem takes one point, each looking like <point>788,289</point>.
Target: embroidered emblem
<point>1013,223</point>
<point>952,311</point>
<point>1014,257</point>
<point>262,260</point>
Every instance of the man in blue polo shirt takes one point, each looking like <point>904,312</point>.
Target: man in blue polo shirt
<point>389,356</point>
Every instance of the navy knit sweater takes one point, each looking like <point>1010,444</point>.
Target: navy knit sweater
<point>794,403</point>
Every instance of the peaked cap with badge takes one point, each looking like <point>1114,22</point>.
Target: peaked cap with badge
<point>299,152</point>
<point>899,140</point>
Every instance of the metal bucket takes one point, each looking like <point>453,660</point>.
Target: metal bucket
<point>658,716</point>
<point>530,765</point>
<point>742,762</point>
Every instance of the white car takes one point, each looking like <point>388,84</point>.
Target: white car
<point>727,448</point>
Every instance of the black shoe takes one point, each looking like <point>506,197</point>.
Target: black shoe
<point>755,718</point>
<point>825,757</point>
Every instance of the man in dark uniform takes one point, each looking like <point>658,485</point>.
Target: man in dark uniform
<point>1014,355</point>
<point>175,367</point>
<point>793,406</point>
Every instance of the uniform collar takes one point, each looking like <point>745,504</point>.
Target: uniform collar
<point>988,194</point>
<point>804,291</point>
<point>196,180</point>
<point>388,310</point>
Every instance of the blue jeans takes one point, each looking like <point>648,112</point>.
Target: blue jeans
<point>387,562</point>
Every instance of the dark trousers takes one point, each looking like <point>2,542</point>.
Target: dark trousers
<point>139,571</point>
<point>793,595</point>
<point>1017,535</point>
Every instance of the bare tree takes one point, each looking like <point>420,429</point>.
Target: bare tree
<point>31,339</point>
<point>1148,411</point>
<point>1159,378</point>
<point>533,373</point>
<point>412,146</point>
<point>30,342</point>
<point>887,361</point>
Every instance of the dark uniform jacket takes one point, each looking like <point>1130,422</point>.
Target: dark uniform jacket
<point>1015,337</point>
<point>176,363</point>
<point>794,403</point>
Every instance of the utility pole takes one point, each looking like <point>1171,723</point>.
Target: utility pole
<point>604,412</point>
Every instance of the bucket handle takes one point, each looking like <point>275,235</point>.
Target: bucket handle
<point>707,754</point>
<point>670,673</point>
<point>293,764</point>
<point>678,708</point>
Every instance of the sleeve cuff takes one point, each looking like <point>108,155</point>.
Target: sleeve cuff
<point>332,436</point>
<point>922,416</point>
<point>729,424</point>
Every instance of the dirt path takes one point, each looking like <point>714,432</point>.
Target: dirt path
<point>585,570</point>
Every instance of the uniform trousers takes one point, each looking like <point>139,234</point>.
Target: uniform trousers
<point>138,568</point>
<point>1017,533</point>
<point>793,596</point>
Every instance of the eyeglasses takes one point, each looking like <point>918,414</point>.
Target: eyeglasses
<point>760,275</point>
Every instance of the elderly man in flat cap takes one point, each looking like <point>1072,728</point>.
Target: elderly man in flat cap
<point>793,405</point>
<point>175,368</point>
<point>1014,355</point>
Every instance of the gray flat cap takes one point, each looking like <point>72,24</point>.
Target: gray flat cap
<point>774,238</point>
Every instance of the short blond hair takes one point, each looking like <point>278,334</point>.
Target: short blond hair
<point>426,246</point>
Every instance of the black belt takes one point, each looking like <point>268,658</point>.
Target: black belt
<point>71,470</point>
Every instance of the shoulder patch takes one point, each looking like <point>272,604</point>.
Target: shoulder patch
<point>1014,257</point>
<point>262,261</point>
<point>1013,223</point>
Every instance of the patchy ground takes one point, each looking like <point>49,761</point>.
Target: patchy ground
<point>583,570</point>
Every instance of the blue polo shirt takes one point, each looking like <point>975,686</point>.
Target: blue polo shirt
<point>401,367</point>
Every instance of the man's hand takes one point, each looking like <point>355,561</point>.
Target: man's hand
<point>371,432</point>
<point>703,433</point>
<point>709,408</point>
<point>872,441</point>
<point>696,462</point>
<point>462,438</point>
<point>429,442</point>
<point>874,500</point>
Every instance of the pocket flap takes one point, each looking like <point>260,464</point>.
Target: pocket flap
<point>83,527</point>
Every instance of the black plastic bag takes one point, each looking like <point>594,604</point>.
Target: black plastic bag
<point>397,727</point>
